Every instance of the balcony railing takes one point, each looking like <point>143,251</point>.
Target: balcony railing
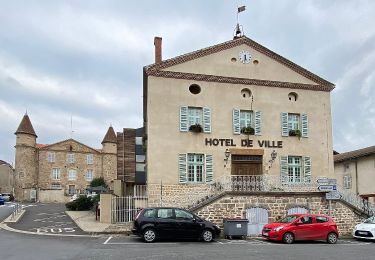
<point>274,183</point>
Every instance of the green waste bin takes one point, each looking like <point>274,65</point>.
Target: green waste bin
<point>235,228</point>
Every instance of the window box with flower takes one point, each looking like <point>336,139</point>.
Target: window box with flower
<point>247,130</point>
<point>196,128</point>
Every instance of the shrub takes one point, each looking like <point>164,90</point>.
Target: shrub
<point>197,128</point>
<point>82,203</point>
<point>247,130</point>
<point>96,182</point>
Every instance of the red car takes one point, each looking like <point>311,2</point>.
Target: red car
<point>302,227</point>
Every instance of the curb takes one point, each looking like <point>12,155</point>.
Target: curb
<point>16,219</point>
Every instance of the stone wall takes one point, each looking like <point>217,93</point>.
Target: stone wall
<point>177,195</point>
<point>235,206</point>
<point>53,196</point>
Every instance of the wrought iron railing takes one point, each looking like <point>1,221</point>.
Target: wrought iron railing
<point>274,183</point>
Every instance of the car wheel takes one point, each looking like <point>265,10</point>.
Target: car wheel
<point>207,235</point>
<point>288,238</point>
<point>332,238</point>
<point>149,235</point>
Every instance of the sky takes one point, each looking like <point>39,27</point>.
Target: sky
<point>81,61</point>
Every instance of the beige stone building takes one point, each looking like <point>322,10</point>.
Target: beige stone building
<point>54,172</point>
<point>6,177</point>
<point>234,109</point>
<point>236,130</point>
<point>355,171</point>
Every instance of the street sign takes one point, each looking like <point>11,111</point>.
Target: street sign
<point>327,187</point>
<point>326,181</point>
<point>333,195</point>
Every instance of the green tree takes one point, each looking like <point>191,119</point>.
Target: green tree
<point>98,182</point>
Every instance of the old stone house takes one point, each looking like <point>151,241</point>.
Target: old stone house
<point>54,172</point>
<point>6,177</point>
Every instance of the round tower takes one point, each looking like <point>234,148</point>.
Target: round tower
<point>25,161</point>
<point>109,157</point>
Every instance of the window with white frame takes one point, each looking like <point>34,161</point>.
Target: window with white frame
<point>294,169</point>
<point>89,175</point>
<point>195,163</point>
<point>56,174</point>
<point>293,122</point>
<point>90,159</point>
<point>140,158</point>
<point>194,116</point>
<point>246,118</point>
<point>71,189</point>
<point>51,157</point>
<point>72,175</point>
<point>55,186</point>
<point>140,167</point>
<point>347,181</point>
<point>71,158</point>
<point>138,140</point>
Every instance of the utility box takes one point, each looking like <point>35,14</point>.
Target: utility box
<point>235,228</point>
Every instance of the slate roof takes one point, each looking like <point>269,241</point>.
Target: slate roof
<point>26,127</point>
<point>354,154</point>
<point>110,136</point>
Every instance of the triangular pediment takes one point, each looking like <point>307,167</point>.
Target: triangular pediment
<point>224,60</point>
<point>70,145</point>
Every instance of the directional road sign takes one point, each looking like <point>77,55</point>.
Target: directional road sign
<point>327,187</point>
<point>326,181</point>
<point>333,195</point>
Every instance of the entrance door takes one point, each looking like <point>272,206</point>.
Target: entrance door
<point>258,217</point>
<point>246,169</point>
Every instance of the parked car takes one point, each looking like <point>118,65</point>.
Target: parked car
<point>155,223</point>
<point>302,227</point>
<point>2,201</point>
<point>365,230</point>
<point>7,196</point>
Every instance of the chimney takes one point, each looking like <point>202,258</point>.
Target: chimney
<point>157,43</point>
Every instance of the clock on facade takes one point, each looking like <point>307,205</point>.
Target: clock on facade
<point>245,56</point>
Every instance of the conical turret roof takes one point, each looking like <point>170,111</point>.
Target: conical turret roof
<point>26,127</point>
<point>110,136</point>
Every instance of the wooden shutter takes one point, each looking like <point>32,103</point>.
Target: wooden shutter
<point>284,169</point>
<point>184,119</point>
<point>209,168</point>
<point>206,120</point>
<point>182,167</point>
<point>258,123</point>
<point>305,125</point>
<point>307,168</point>
<point>236,122</point>
<point>284,124</point>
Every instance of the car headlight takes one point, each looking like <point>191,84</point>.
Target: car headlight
<point>278,229</point>
<point>356,227</point>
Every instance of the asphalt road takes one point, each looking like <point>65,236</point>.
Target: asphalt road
<point>5,210</point>
<point>15,246</point>
<point>47,218</point>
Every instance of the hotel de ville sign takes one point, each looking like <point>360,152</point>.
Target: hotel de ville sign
<point>244,143</point>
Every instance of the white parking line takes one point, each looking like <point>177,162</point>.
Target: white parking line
<point>107,241</point>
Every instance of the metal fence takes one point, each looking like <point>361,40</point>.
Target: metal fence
<point>274,183</point>
<point>16,210</point>
<point>124,209</point>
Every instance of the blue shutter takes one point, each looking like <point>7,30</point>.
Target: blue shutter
<point>258,123</point>
<point>305,125</point>
<point>284,169</point>
<point>307,168</point>
<point>284,124</point>
<point>206,120</point>
<point>182,167</point>
<point>184,119</point>
<point>236,122</point>
<point>209,169</point>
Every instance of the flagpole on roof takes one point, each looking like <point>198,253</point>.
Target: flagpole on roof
<point>238,32</point>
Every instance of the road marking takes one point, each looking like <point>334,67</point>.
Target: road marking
<point>107,240</point>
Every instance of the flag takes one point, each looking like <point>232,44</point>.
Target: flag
<point>241,8</point>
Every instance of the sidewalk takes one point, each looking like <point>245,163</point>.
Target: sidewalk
<point>86,221</point>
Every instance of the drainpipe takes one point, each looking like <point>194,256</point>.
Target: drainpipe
<point>356,177</point>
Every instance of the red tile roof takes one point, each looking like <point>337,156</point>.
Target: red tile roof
<point>354,154</point>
